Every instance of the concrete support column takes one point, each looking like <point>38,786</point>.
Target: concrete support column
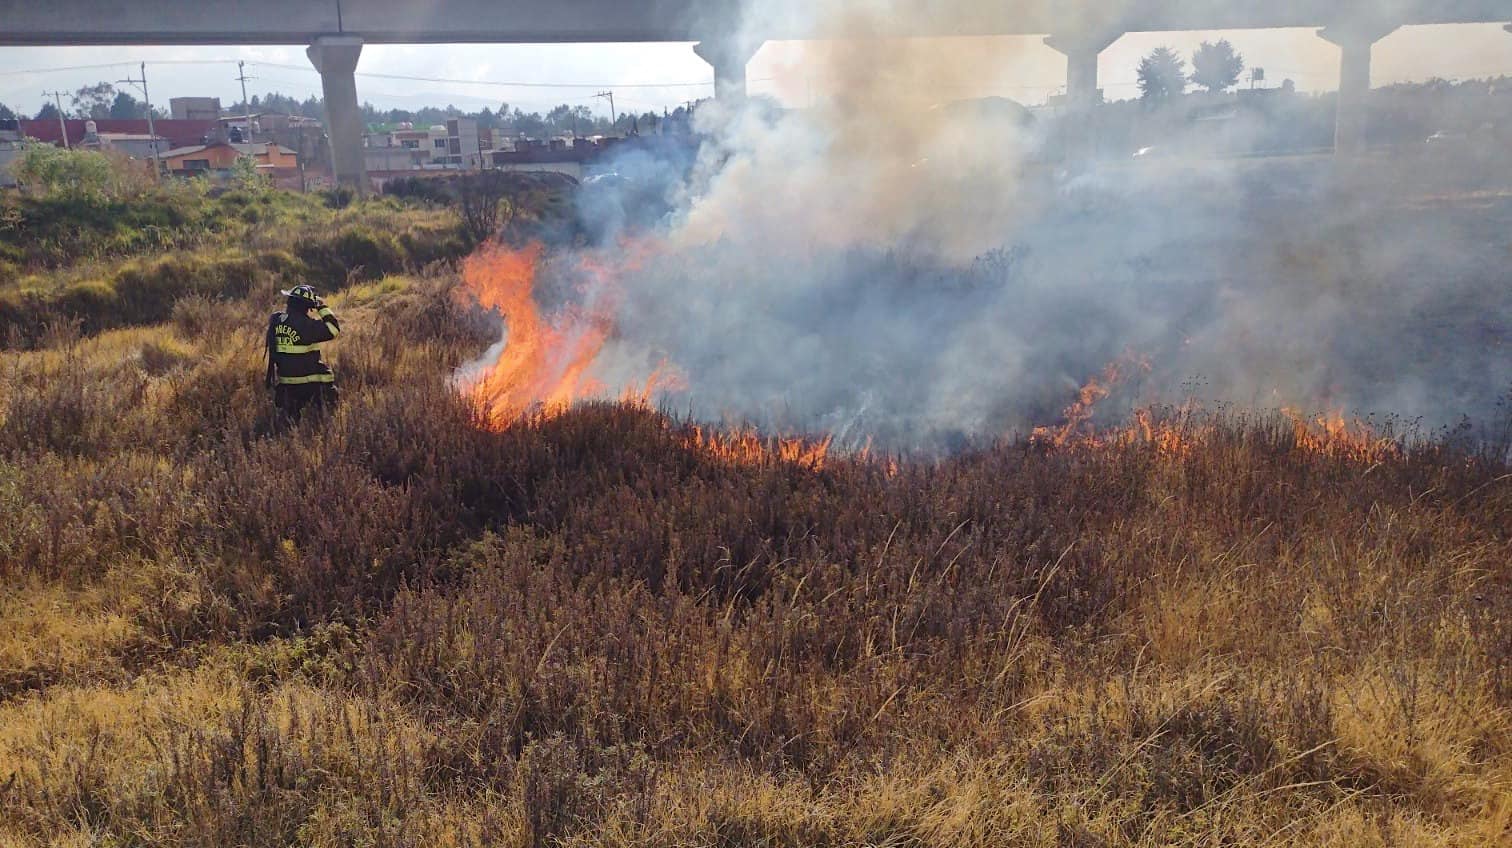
<point>335,57</point>
<point>1355,42</point>
<point>728,57</point>
<point>1081,50</point>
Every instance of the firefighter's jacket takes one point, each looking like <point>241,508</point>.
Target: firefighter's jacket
<point>294,340</point>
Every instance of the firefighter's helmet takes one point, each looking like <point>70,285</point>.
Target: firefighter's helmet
<point>305,293</point>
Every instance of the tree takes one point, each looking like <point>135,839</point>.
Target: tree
<point>483,201</point>
<point>245,176</point>
<point>93,101</point>
<point>531,125</point>
<point>126,108</point>
<point>6,114</point>
<point>1216,67</point>
<point>83,175</point>
<point>48,112</point>
<point>1162,75</point>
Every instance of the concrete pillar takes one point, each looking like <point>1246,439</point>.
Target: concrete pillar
<point>1081,50</point>
<point>335,57</point>
<point>1355,42</point>
<point>728,57</point>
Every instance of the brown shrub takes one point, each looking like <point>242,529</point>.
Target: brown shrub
<point>586,630</point>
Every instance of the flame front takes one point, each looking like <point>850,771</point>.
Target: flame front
<point>547,361</point>
<point>747,447</point>
<point>1175,435</point>
<point>544,361</point>
<point>1079,413</point>
<point>1334,435</point>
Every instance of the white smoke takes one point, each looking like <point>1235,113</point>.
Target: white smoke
<point>890,266</point>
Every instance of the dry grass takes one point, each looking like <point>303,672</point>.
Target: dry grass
<point>397,628</point>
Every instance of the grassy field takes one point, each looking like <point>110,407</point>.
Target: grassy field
<point>397,627</point>
<point>124,257</point>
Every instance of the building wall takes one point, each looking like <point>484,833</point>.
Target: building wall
<point>223,157</point>
<point>178,133</point>
<point>463,145</point>
<point>219,158</point>
<point>571,169</point>
<point>277,158</point>
<point>195,108</point>
<point>136,148</point>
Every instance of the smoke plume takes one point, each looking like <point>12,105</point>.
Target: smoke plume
<point>888,266</point>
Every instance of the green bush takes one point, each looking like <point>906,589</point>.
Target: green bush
<point>269,236</point>
<point>355,254</point>
<point>371,253</point>
<point>56,231</point>
<point>426,246</point>
<point>91,302</point>
<point>338,198</point>
<point>141,292</point>
<point>147,291</point>
<point>75,175</point>
<point>21,316</point>
<point>284,266</point>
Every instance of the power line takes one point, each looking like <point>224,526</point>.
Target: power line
<point>68,68</point>
<point>106,65</point>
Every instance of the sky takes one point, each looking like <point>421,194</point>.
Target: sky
<point>650,77</point>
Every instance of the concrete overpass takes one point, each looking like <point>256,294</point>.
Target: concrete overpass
<point>729,32</point>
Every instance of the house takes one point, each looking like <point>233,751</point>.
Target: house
<point>273,159</point>
<point>459,144</point>
<point>404,149</point>
<point>133,145</point>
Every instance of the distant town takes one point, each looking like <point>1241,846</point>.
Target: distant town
<point>1222,107</point>
<point>198,136</point>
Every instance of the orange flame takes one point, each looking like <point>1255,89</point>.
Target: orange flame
<point>1331,434</point>
<point>747,447</point>
<point>1171,437</point>
<point>544,366</point>
<point>546,362</point>
<point>1079,413</point>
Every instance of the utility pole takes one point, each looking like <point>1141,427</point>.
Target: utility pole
<point>613,115</point>
<point>157,164</point>
<point>57,97</point>
<point>241,67</point>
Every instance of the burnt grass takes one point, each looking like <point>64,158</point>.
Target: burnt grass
<point>397,627</point>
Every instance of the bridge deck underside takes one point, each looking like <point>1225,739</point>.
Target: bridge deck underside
<point>86,22</point>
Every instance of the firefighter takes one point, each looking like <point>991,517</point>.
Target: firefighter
<point>297,376</point>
